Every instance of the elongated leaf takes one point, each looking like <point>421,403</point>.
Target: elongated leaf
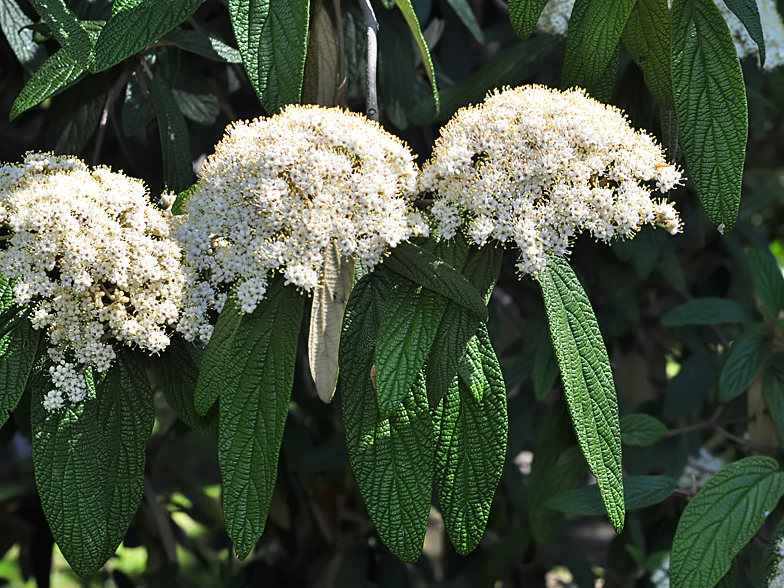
<point>326,320</point>
<point>773,389</point>
<point>67,29</point>
<point>201,44</point>
<point>192,95</point>
<point>769,282</point>
<point>647,38</point>
<point>137,24</point>
<point>56,74</point>
<point>413,23</point>
<point>745,358</point>
<point>175,145</point>
<point>256,378</point>
<point>595,29</point>
<point>18,350</point>
<point>587,379</point>
<point>710,101</point>
<point>747,12</point>
<point>471,434</point>
<point>137,111</point>
<point>708,311</point>
<point>392,458</point>
<point>523,15</point>
<point>272,37</point>
<point>722,518</point>
<point>638,491</point>
<point>545,369</point>
<point>463,10</point>
<point>322,63</point>
<point>14,23</point>
<point>641,429</point>
<point>772,556</point>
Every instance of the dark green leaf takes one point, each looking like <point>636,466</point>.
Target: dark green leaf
<point>772,556</point>
<point>523,14</point>
<point>748,13</point>
<point>392,458</point>
<point>14,23</point>
<point>192,95</point>
<point>137,24</point>
<point>773,389</point>
<point>175,145</point>
<point>137,111</point>
<point>255,378</point>
<point>56,74</point>
<point>710,101</point>
<point>722,518</point>
<point>272,37</point>
<point>463,10</point>
<point>744,360</point>
<point>638,491</point>
<point>199,43</point>
<point>641,429</point>
<point>769,282</point>
<point>18,350</point>
<point>511,549</point>
<point>545,369</point>
<point>413,23</point>
<point>688,387</point>
<point>708,311</point>
<point>587,380</point>
<point>67,29</point>
<point>76,113</point>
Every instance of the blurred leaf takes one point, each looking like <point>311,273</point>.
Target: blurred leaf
<point>137,112</point>
<point>710,101</point>
<point>511,549</point>
<point>321,66</point>
<point>175,145</point>
<point>201,44</point>
<point>708,311</point>
<point>773,389</point>
<point>67,29</point>
<point>463,10</point>
<point>413,24</point>
<point>587,380</point>
<point>398,84</point>
<point>523,14</point>
<point>638,492</point>
<point>545,368</point>
<point>192,96</point>
<point>641,429</point>
<point>722,518</point>
<point>687,389</point>
<point>471,434</point>
<point>56,74</point>
<point>14,23</point>
<point>272,36</point>
<point>748,13</point>
<point>744,360</point>
<point>136,24</point>
<point>771,557</point>
<point>769,282</point>
<point>76,114</point>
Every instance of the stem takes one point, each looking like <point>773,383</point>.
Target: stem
<point>110,99</point>
<point>372,58</point>
<point>747,442</point>
<point>340,93</point>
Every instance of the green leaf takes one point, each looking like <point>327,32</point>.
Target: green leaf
<point>18,350</point>
<point>688,387</point>
<point>710,102</point>
<point>722,518</point>
<point>747,12</point>
<point>772,556</point>
<point>744,360</point>
<point>192,95</point>
<point>641,429</point>
<point>14,23</point>
<point>201,44</point>
<point>647,39</point>
<point>272,37</point>
<point>176,373</point>
<point>392,458</point>
<point>523,14</point>
<point>56,74</point>
<point>75,114</point>
<point>256,377</point>
<point>413,23</point>
<point>175,145</point>
<point>471,434</point>
<point>466,16</point>
<point>67,29</point>
<point>408,327</point>
<point>587,380</point>
<point>773,390</point>
<point>137,24</point>
<point>545,369</point>
<point>182,198</point>
<point>638,491</point>
<point>769,282</point>
<point>708,311</point>
<point>595,28</point>
<point>137,111</point>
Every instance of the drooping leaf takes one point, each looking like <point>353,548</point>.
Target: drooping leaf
<point>175,145</point>
<point>392,458</point>
<point>747,12</point>
<point>18,350</point>
<point>14,23</point>
<point>587,380</point>
<point>641,429</point>
<point>55,75</point>
<point>137,109</point>
<point>320,84</point>
<point>722,518</point>
<point>272,38</point>
<point>710,102</point>
<point>773,389</point>
<point>769,282</point>
<point>137,24</point>
<point>67,29</point>
<point>708,311</point>
<point>256,377</point>
<point>744,360</point>
<point>638,491</point>
<point>523,14</point>
<point>413,23</point>
<point>463,10</point>
<point>204,45</point>
<point>471,434</point>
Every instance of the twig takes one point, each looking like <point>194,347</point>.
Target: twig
<point>110,99</point>
<point>747,442</point>
<point>709,424</point>
<point>340,93</point>
<point>372,58</point>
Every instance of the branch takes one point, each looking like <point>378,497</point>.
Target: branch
<point>110,99</point>
<point>372,58</point>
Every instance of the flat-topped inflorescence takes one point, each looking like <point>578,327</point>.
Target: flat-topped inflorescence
<point>538,166</point>
<point>277,191</point>
<point>91,255</point>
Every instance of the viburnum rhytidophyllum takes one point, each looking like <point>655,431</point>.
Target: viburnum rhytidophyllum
<point>277,191</point>
<point>92,256</point>
<point>539,166</point>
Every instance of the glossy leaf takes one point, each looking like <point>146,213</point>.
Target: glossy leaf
<point>708,311</point>
<point>55,75</point>
<point>175,145</point>
<point>204,45</point>
<point>638,491</point>
<point>523,14</point>
<point>641,429</point>
<point>722,518</point>
<point>769,282</point>
<point>744,360</point>
<point>67,29</point>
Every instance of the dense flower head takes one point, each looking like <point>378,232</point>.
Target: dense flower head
<point>554,18</point>
<point>277,191</point>
<point>91,255</point>
<point>772,33</point>
<point>538,166</point>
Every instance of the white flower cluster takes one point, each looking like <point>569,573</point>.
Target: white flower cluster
<point>554,19</point>
<point>538,166</point>
<point>777,579</point>
<point>87,250</point>
<point>772,33</point>
<point>277,191</point>
<point>661,577</point>
<point>698,470</point>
